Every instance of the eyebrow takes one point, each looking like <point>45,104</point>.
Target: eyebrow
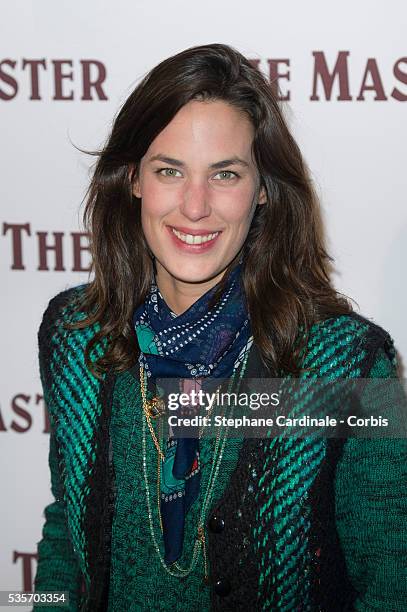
<point>216,166</point>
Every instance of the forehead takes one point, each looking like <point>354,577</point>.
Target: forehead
<point>206,129</point>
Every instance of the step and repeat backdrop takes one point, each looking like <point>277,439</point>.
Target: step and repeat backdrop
<point>65,69</point>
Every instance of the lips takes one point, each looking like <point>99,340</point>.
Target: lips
<point>194,238</point>
<point>194,241</point>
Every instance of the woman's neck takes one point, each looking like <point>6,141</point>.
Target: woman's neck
<point>180,295</point>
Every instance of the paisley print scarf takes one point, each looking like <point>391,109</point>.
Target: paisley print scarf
<point>198,343</point>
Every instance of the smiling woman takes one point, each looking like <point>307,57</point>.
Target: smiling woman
<point>209,263</point>
<point>198,206</point>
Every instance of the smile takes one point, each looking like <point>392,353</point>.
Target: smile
<point>190,239</point>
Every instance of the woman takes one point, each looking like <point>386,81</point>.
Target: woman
<point>208,263</point>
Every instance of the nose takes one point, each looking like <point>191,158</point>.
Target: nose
<point>195,202</point>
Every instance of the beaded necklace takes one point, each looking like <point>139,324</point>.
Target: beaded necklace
<point>220,443</point>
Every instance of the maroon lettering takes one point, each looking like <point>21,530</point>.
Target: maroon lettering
<point>16,233</point>
<point>377,85</point>
<point>59,76</point>
<point>34,76</point>
<point>78,248</point>
<point>39,399</point>
<point>402,77</point>
<point>275,77</point>
<point>9,80</point>
<point>96,83</point>
<point>2,426</point>
<point>27,566</point>
<point>20,411</point>
<point>340,71</point>
<point>44,248</point>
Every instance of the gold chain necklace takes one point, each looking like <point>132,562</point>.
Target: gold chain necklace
<point>156,408</point>
<point>153,408</point>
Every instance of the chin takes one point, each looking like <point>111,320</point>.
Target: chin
<point>194,274</point>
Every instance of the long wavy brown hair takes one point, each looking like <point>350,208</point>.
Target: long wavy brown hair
<point>286,270</point>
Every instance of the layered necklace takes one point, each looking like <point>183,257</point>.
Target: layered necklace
<point>206,342</point>
<point>154,409</point>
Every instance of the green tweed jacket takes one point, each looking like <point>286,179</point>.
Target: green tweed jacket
<point>317,523</point>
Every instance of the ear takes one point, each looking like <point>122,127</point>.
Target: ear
<point>135,181</point>
<point>262,195</point>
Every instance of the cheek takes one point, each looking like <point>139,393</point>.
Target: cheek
<point>240,210</point>
<point>155,202</point>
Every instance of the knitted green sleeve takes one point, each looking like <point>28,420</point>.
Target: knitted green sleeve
<point>57,568</point>
<point>371,507</point>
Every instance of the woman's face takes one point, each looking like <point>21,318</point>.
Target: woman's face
<point>197,183</point>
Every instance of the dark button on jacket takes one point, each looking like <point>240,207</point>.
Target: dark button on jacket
<point>222,587</point>
<point>216,523</point>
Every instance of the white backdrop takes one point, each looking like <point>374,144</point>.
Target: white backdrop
<point>353,137</point>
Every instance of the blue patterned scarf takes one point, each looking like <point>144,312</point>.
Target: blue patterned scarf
<point>195,344</point>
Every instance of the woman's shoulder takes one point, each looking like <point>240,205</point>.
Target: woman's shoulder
<point>353,336</point>
<point>351,326</point>
<point>68,298</point>
<point>63,308</point>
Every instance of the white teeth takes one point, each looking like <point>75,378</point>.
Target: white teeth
<point>190,239</point>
